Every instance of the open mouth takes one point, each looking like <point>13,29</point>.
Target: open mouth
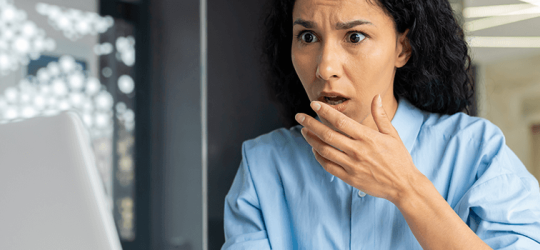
<point>335,100</point>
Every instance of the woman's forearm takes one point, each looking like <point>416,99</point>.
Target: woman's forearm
<point>432,221</point>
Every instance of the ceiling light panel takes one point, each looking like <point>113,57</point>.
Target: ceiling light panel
<point>503,42</point>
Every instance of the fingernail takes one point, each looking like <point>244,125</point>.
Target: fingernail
<point>300,118</point>
<point>315,106</point>
<point>380,100</point>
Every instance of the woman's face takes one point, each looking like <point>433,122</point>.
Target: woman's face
<point>346,52</point>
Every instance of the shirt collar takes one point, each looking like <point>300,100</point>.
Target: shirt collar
<point>408,120</point>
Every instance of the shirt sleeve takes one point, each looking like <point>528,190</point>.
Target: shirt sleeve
<point>243,222</point>
<point>503,206</point>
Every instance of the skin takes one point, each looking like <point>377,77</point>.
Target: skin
<point>357,142</point>
<point>334,63</point>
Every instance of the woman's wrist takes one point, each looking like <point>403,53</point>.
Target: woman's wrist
<point>431,219</point>
<point>410,192</point>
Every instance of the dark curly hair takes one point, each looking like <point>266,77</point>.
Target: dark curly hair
<point>435,79</point>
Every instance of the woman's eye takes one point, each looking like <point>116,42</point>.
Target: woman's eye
<point>356,37</point>
<point>309,37</point>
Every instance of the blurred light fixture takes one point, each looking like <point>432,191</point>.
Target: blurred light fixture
<point>500,10</point>
<point>75,23</point>
<point>20,39</point>
<point>494,21</point>
<point>126,84</point>
<point>497,15</point>
<point>503,42</point>
<point>103,49</point>
<point>65,86</point>
<point>534,2</point>
<point>125,116</point>
<point>106,72</point>
<point>126,50</point>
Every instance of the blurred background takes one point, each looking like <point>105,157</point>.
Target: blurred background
<point>170,89</point>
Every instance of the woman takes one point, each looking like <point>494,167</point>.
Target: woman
<point>385,81</point>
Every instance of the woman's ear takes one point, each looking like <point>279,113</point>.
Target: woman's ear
<point>403,49</point>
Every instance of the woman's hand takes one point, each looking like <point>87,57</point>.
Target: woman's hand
<point>376,162</point>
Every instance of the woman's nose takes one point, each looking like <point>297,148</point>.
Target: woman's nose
<point>329,64</point>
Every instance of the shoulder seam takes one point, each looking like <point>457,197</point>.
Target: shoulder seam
<point>461,130</point>
<point>244,155</point>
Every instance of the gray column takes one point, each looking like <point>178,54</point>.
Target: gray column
<point>178,129</point>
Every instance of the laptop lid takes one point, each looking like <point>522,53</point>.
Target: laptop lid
<point>51,196</point>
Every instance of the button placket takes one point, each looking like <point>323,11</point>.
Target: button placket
<point>362,220</point>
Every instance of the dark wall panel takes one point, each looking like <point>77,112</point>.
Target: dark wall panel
<point>238,108</point>
<point>177,141</point>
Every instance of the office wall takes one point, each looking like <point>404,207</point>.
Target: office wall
<point>511,101</point>
<point>237,105</point>
<point>176,125</point>
<point>237,109</point>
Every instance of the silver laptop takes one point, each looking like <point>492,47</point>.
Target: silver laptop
<point>51,197</point>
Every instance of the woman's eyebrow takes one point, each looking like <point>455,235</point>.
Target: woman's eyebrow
<point>306,24</point>
<point>348,25</point>
<point>339,25</point>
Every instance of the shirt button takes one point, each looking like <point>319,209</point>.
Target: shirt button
<point>361,194</point>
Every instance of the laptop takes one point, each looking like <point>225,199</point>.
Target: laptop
<point>51,196</point>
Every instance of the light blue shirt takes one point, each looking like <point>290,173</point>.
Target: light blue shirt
<point>282,198</point>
